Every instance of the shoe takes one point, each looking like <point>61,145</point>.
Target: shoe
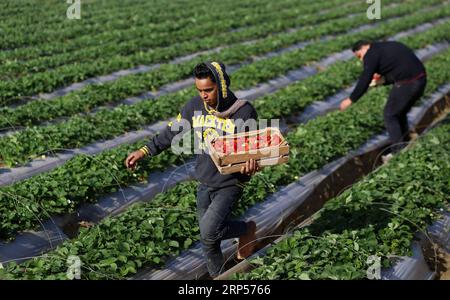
<point>386,158</point>
<point>413,136</point>
<point>246,242</point>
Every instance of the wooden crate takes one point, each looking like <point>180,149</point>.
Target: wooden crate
<point>267,156</point>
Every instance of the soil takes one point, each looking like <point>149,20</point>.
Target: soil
<point>438,260</point>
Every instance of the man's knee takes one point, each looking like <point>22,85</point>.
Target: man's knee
<point>390,115</point>
<point>209,232</point>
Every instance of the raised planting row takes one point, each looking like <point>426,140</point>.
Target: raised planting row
<point>127,42</point>
<point>11,91</point>
<point>378,216</point>
<point>83,42</point>
<point>132,40</point>
<point>48,13</point>
<point>147,234</point>
<point>155,14</point>
<point>92,96</point>
<point>19,147</point>
<point>45,19</point>
<point>34,83</point>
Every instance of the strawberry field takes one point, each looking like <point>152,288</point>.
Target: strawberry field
<point>78,95</point>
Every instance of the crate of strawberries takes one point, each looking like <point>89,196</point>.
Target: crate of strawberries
<point>266,146</point>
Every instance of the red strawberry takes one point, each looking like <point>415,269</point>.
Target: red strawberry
<point>253,143</point>
<point>275,140</point>
<point>262,142</point>
<point>240,147</point>
<point>235,145</point>
<point>229,146</point>
<point>218,145</point>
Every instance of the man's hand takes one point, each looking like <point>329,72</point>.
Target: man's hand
<point>377,80</point>
<point>133,158</point>
<point>250,168</point>
<point>345,104</point>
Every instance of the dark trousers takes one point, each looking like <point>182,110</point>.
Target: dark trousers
<point>401,98</point>
<point>214,207</point>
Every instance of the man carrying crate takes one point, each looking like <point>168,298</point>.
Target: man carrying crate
<point>399,66</point>
<point>215,114</point>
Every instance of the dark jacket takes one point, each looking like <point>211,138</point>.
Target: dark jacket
<point>393,60</point>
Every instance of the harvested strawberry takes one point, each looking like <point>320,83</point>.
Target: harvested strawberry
<point>253,143</point>
<point>263,141</point>
<point>218,145</point>
<point>239,148</point>
<point>275,140</point>
<point>227,147</point>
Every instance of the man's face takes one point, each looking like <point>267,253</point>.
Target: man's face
<point>207,90</point>
<point>361,52</point>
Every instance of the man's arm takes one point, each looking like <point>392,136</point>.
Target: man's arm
<point>370,66</point>
<point>163,140</point>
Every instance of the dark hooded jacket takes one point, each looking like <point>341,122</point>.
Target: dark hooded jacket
<point>207,122</point>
